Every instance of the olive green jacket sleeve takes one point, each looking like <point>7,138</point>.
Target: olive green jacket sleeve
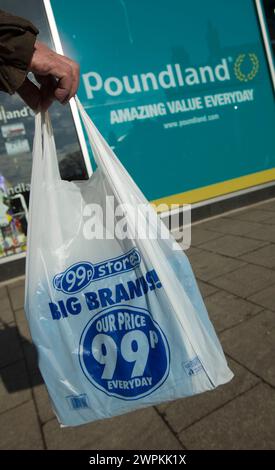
<point>17,38</point>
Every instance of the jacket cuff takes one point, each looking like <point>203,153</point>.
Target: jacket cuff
<point>16,50</point>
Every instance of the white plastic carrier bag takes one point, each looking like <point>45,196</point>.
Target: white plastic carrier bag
<point>118,323</point>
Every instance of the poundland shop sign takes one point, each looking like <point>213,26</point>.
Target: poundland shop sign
<point>173,76</point>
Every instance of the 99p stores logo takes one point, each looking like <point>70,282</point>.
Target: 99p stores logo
<point>79,275</point>
<point>124,353</point>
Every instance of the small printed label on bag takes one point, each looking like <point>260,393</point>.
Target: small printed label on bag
<point>193,367</point>
<point>77,402</point>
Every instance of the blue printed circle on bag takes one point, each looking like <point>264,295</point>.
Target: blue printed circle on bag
<point>75,278</point>
<point>124,352</point>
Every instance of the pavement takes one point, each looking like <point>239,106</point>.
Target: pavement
<point>233,257</point>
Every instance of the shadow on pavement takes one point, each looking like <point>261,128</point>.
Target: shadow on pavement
<point>18,360</point>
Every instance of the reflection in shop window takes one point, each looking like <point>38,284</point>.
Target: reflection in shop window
<point>269,10</point>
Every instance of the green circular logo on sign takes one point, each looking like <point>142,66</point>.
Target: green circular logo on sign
<point>239,66</point>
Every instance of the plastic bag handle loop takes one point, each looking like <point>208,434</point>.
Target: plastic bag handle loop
<point>45,162</point>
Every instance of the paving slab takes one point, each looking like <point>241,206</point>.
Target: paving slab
<point>265,233</point>
<point>3,292</point>
<point>31,358</point>
<point>206,289</point>
<point>192,252</point>
<point>270,221</point>
<point>14,386</point>
<point>226,310</point>
<point>43,404</point>
<point>250,215</point>
<point>17,282</point>
<point>269,205</point>
<point>17,293</point>
<point>140,430</point>
<point>200,235</point>
<point>6,313</point>
<point>10,347</point>
<point>22,325</point>
<point>182,413</point>
<point>207,265</point>
<point>246,423</point>
<point>231,245</point>
<point>225,225</point>
<point>265,297</point>
<point>245,281</point>
<point>19,429</point>
<point>36,378</point>
<point>263,256</point>
<point>252,344</point>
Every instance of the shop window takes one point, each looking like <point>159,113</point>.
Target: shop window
<point>16,137</point>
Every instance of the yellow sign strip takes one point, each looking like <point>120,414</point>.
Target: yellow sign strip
<point>218,189</point>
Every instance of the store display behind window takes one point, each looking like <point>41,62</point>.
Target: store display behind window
<point>16,137</point>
